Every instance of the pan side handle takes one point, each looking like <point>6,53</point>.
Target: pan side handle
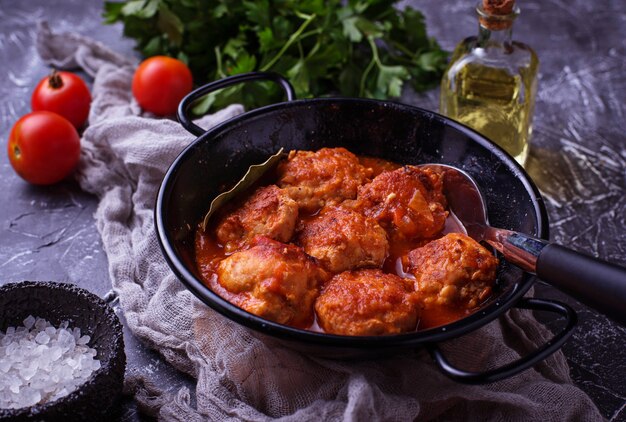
<point>185,104</point>
<point>521,364</point>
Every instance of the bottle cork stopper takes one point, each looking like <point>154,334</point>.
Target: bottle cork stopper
<point>497,14</point>
<point>498,7</point>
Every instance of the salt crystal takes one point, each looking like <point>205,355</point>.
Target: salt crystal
<point>83,340</point>
<point>65,372</point>
<point>38,382</point>
<point>40,363</point>
<point>27,373</point>
<point>76,333</point>
<point>29,321</point>
<point>49,388</point>
<point>66,340</point>
<point>29,397</point>
<point>41,324</point>
<point>55,353</point>
<point>42,338</point>
<point>12,348</point>
<point>58,394</point>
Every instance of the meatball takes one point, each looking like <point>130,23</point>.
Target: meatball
<point>273,280</point>
<point>342,239</point>
<point>269,212</point>
<point>453,270</point>
<point>314,179</point>
<point>408,202</point>
<point>367,302</point>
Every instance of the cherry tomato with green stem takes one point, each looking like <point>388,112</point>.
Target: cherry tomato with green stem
<point>63,93</point>
<point>160,83</point>
<point>43,147</point>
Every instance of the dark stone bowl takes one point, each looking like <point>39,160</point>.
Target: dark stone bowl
<point>96,399</point>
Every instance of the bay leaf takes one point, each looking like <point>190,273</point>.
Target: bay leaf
<point>253,174</point>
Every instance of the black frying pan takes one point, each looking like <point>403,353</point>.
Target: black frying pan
<point>397,132</point>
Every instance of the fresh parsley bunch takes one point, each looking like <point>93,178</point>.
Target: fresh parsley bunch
<point>358,48</point>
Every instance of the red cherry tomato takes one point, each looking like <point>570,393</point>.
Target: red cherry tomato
<point>160,83</point>
<point>63,93</point>
<point>43,147</point>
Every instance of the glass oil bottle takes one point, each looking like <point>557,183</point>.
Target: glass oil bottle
<point>491,81</point>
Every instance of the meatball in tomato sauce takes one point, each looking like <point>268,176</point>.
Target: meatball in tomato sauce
<point>273,280</point>
<point>367,302</point>
<point>342,239</point>
<point>453,270</point>
<point>407,202</point>
<point>326,176</point>
<point>269,212</point>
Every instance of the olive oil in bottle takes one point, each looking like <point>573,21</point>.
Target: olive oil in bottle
<point>491,81</point>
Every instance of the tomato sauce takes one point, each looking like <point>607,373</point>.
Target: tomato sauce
<point>209,252</point>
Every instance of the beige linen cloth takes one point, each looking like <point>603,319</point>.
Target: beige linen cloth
<point>125,154</point>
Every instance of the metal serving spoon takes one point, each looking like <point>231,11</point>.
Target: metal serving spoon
<point>596,283</point>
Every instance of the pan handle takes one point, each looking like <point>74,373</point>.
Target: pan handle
<point>596,283</point>
<point>186,102</point>
<point>521,364</point>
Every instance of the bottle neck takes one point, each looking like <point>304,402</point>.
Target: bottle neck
<point>495,30</point>
<point>494,38</point>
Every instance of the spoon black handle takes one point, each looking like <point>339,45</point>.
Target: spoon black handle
<point>596,283</point>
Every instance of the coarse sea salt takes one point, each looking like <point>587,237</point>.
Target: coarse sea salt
<point>40,363</point>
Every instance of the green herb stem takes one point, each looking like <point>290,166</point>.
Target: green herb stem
<point>370,65</point>
<point>218,61</point>
<point>289,43</point>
